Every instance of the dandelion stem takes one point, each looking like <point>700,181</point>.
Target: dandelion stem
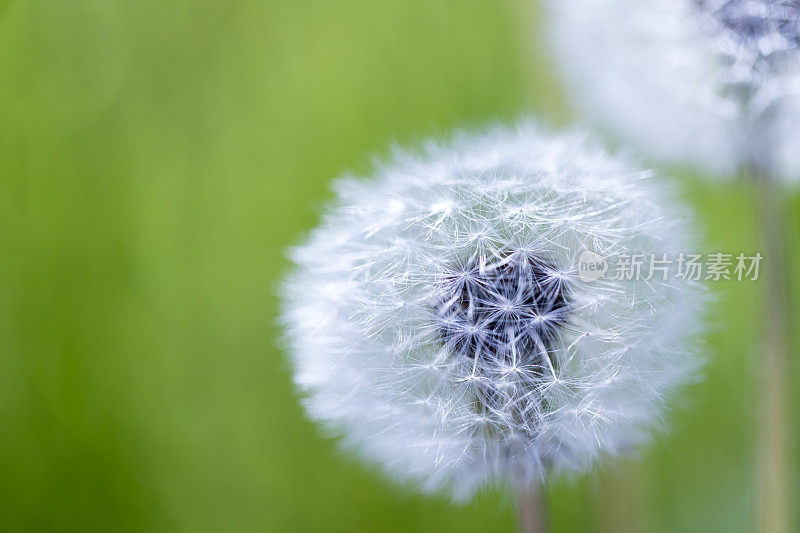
<point>774,507</point>
<point>621,498</point>
<point>532,509</point>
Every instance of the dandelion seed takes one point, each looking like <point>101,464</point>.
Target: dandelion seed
<point>474,353</point>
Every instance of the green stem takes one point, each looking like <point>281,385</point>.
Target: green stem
<point>774,479</point>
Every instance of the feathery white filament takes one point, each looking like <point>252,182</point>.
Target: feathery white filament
<point>436,320</point>
<point>709,82</point>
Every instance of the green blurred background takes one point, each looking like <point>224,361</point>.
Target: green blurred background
<point>157,157</point>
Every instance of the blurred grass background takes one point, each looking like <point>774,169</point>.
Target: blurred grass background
<point>156,158</point>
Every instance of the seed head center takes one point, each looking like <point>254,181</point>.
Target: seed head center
<point>765,27</point>
<point>508,309</point>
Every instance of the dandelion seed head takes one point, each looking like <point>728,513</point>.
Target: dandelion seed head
<point>712,83</point>
<point>436,320</point>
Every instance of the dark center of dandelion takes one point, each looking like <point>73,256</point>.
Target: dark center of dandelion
<point>506,310</point>
<point>764,26</point>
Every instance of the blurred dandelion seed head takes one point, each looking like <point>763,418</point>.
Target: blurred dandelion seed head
<point>714,83</point>
<point>437,322</point>
<point>754,37</point>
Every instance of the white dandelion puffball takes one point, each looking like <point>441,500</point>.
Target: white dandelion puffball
<point>438,321</point>
<point>712,83</point>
